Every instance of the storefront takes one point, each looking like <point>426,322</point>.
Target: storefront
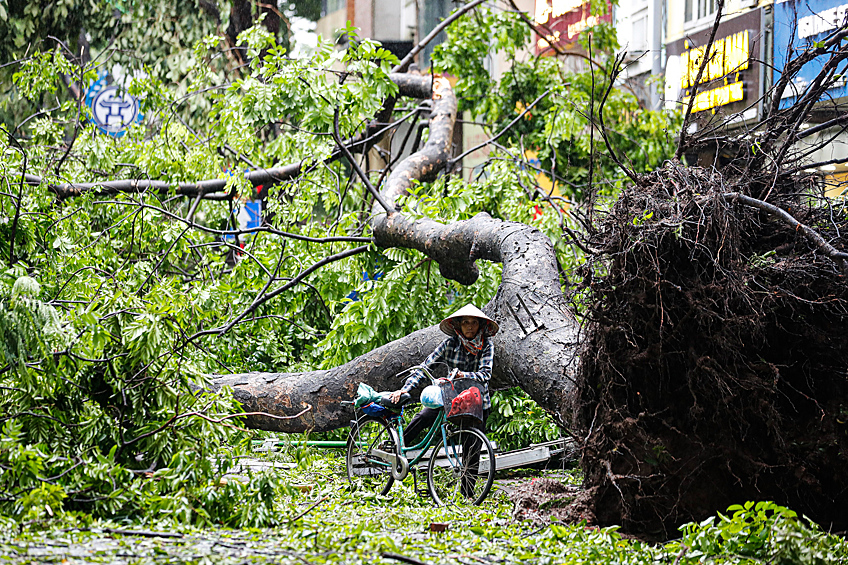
<point>731,84</point>
<point>563,21</point>
<point>799,25</point>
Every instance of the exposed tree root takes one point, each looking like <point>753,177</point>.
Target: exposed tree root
<point>543,500</point>
<point>715,366</point>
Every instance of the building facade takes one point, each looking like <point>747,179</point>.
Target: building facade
<point>733,82</point>
<point>663,43</point>
<point>797,25</point>
<point>394,23</point>
<point>640,30</point>
<point>753,43</point>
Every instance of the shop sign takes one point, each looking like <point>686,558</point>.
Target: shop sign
<point>729,57</point>
<point>564,21</point>
<point>730,81</point>
<point>799,24</point>
<point>822,22</point>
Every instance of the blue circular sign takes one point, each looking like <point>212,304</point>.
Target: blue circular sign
<point>114,110</point>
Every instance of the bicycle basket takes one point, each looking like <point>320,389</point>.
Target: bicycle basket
<point>463,399</point>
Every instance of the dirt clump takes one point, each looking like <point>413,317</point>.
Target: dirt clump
<point>543,500</point>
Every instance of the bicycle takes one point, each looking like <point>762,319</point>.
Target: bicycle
<point>377,457</point>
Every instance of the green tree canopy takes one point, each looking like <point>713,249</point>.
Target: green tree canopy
<point>118,302</point>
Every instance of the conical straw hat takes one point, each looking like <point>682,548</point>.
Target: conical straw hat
<point>469,310</point>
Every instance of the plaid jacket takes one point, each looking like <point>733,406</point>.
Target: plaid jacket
<point>451,352</point>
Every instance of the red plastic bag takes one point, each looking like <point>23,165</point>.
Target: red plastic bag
<point>463,399</point>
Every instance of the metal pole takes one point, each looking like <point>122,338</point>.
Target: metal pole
<point>656,20</point>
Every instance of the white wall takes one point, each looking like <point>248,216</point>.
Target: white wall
<point>633,26</point>
<point>677,27</point>
<point>639,26</point>
<point>499,63</point>
<point>394,20</point>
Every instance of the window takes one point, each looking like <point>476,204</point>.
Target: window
<point>330,6</point>
<point>697,9</point>
<point>640,33</point>
<point>430,14</point>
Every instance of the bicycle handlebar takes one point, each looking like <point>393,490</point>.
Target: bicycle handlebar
<point>427,373</point>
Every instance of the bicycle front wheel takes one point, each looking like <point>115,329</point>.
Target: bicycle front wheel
<point>461,471</point>
<point>369,439</point>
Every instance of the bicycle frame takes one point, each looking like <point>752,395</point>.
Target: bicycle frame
<point>429,439</point>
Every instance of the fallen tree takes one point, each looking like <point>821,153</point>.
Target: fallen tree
<point>531,288</point>
<point>713,369</point>
<point>707,367</point>
<point>712,366</point>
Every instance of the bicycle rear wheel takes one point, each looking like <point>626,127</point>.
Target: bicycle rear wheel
<point>461,471</point>
<point>369,437</point>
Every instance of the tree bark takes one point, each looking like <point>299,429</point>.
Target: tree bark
<point>241,18</point>
<point>201,188</point>
<point>535,349</point>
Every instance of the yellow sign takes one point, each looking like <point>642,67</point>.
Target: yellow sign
<point>556,8</point>
<point>716,97</point>
<point>545,42</point>
<point>836,184</point>
<point>729,55</point>
<point>577,27</point>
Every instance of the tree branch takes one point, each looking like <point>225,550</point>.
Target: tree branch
<point>812,235</point>
<point>263,298</point>
<point>404,64</point>
<point>500,133</point>
<point>707,56</point>
<point>408,85</point>
<point>365,180</point>
<point>14,230</point>
<point>530,274</point>
<point>628,172</point>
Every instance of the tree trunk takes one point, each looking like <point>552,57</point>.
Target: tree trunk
<point>241,18</point>
<point>535,349</point>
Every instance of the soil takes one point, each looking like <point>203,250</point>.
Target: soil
<point>543,500</point>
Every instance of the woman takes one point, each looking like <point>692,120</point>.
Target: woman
<point>468,349</point>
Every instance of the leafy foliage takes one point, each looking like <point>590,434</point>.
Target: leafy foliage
<point>100,407</point>
<point>558,127</point>
<point>755,533</point>
<point>517,421</point>
<point>324,521</point>
<point>114,306</point>
<point>137,40</point>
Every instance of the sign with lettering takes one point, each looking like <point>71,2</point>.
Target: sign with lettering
<point>564,20</point>
<point>822,22</point>
<point>728,58</point>
<point>798,25</point>
<point>730,81</point>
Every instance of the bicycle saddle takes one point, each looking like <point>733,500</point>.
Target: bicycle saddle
<point>404,398</point>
